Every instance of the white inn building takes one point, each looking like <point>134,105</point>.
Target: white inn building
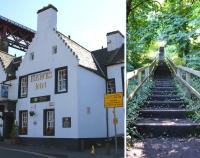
<point>56,91</point>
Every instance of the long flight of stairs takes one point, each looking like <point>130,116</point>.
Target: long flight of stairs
<point>164,112</point>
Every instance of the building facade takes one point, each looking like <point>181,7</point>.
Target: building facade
<point>57,89</point>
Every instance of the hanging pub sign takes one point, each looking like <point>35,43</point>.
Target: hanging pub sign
<point>40,99</point>
<point>4,91</point>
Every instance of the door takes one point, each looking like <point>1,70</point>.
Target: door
<point>1,124</point>
<point>8,119</point>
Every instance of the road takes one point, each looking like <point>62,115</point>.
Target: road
<point>14,153</point>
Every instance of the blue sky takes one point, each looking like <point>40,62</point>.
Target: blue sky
<point>86,21</point>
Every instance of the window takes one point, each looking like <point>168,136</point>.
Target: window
<point>32,56</point>
<point>23,86</point>
<point>111,86</point>
<point>54,49</point>
<point>122,74</point>
<point>23,122</point>
<point>49,122</point>
<point>61,80</point>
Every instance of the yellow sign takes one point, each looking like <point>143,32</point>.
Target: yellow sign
<point>113,100</point>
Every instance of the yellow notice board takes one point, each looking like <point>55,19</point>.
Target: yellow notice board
<point>113,100</point>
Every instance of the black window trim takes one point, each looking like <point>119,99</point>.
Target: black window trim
<point>107,84</point>
<point>56,79</point>
<point>20,122</point>
<point>122,76</point>
<point>44,122</point>
<point>19,87</point>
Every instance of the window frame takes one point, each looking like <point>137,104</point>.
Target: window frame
<point>48,130</point>
<point>23,129</point>
<point>54,49</point>
<point>111,80</point>
<point>122,75</point>
<point>20,95</point>
<point>32,56</point>
<point>57,71</point>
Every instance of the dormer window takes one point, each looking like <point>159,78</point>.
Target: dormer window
<point>32,56</point>
<point>54,49</point>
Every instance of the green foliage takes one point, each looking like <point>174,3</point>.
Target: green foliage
<point>131,86</point>
<point>193,103</point>
<point>129,67</point>
<point>14,131</point>
<point>179,61</point>
<point>141,31</point>
<point>134,105</point>
<point>176,22</point>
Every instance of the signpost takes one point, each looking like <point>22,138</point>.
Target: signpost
<point>114,100</point>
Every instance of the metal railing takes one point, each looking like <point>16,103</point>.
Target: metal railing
<point>139,76</point>
<point>185,75</point>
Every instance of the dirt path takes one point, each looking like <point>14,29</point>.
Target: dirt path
<point>165,148</point>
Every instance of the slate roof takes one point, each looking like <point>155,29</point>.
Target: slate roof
<point>10,64</point>
<point>95,61</point>
<point>106,58</point>
<point>86,58</point>
<point>13,67</point>
<point>6,59</point>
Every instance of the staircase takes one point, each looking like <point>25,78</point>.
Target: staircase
<point>164,112</point>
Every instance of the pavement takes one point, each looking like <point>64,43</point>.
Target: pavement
<point>165,148</point>
<point>22,151</point>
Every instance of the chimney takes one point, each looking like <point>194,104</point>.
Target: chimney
<point>115,40</point>
<point>47,18</point>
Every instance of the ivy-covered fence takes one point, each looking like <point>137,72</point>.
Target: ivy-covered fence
<point>187,81</point>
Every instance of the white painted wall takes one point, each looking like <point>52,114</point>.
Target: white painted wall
<point>114,41</point>
<point>65,104</point>
<point>91,90</point>
<point>2,73</point>
<point>46,20</point>
<point>13,89</point>
<point>114,71</point>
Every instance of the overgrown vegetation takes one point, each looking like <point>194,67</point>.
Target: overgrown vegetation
<point>193,103</point>
<point>134,105</point>
<point>176,22</point>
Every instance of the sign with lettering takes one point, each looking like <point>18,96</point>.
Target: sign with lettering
<point>39,79</point>
<point>113,100</point>
<point>40,99</point>
<point>4,91</point>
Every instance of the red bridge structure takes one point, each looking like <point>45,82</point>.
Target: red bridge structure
<point>15,35</point>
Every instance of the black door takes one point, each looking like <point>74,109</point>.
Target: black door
<point>8,118</point>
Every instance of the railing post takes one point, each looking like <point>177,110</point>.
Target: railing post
<point>147,72</point>
<point>188,81</point>
<point>188,77</point>
<point>179,72</point>
<point>139,77</point>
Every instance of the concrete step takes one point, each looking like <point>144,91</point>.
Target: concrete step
<point>153,97</point>
<point>156,92</point>
<point>171,113</point>
<point>167,127</point>
<point>164,104</point>
<point>164,85</point>
<point>163,89</point>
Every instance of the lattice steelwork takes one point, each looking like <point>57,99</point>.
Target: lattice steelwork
<point>15,34</point>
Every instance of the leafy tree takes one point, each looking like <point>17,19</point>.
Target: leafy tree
<point>177,22</point>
